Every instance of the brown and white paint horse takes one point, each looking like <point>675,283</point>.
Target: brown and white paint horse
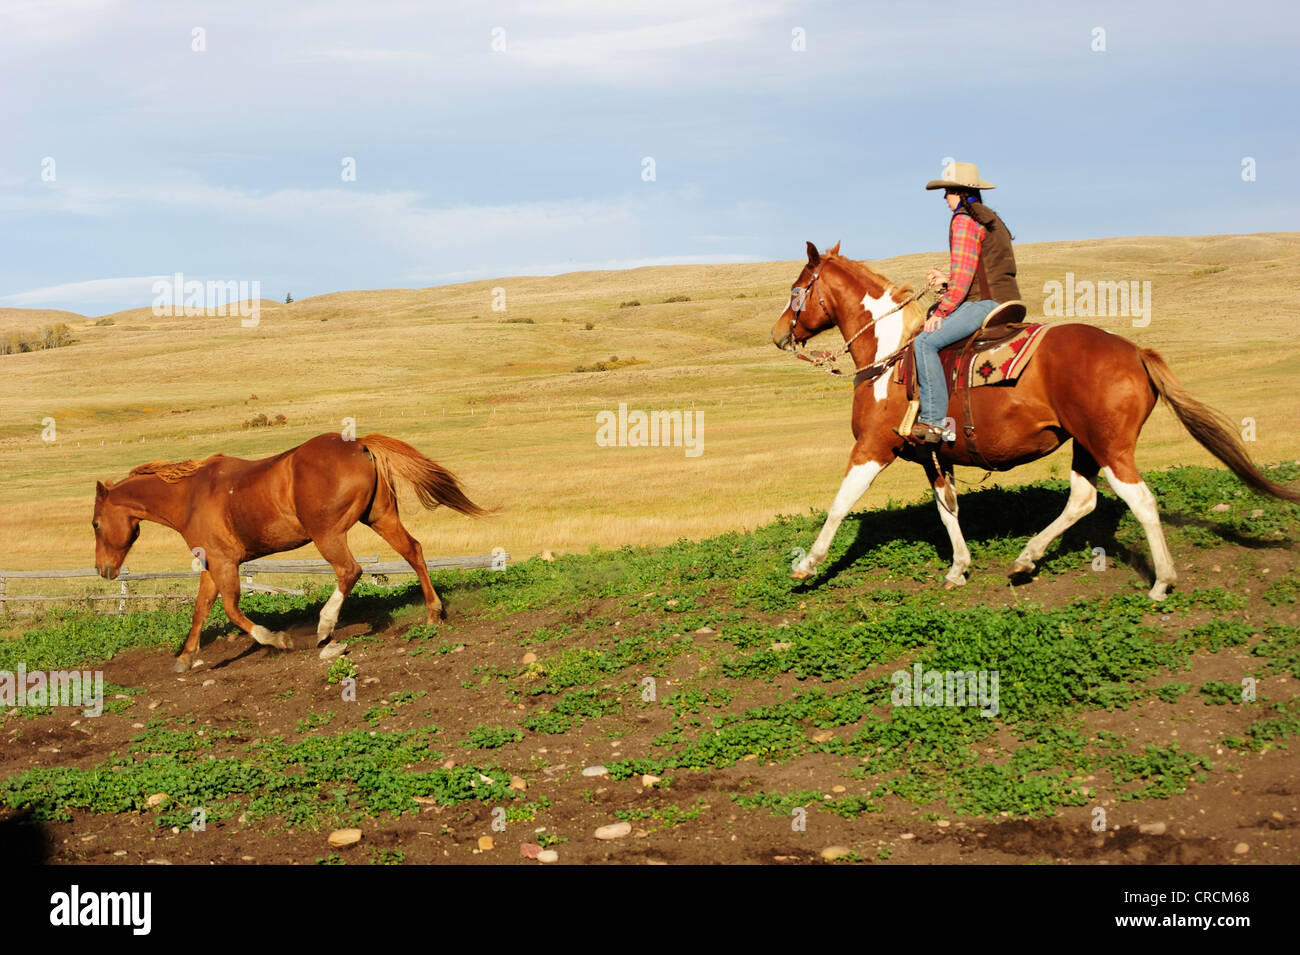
<point>1083,383</point>
<point>230,510</point>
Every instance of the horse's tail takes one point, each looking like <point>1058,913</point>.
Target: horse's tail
<point>1213,431</point>
<point>433,483</point>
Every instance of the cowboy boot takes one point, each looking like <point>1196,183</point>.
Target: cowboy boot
<point>922,433</point>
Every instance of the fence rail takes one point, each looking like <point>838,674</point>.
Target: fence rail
<point>371,566</point>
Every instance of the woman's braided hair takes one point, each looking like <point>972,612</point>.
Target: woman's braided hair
<point>969,197</point>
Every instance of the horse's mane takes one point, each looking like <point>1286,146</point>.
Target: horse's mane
<point>913,313</point>
<point>169,471</point>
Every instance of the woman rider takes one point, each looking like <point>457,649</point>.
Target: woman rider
<point>982,275</point>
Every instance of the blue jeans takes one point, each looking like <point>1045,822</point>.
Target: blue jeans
<point>964,321</point>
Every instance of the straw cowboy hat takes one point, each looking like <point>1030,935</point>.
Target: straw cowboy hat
<point>960,175</point>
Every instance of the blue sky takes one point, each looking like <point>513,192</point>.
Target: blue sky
<point>226,164</point>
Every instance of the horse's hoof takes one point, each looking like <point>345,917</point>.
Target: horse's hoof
<point>279,639</point>
<point>800,574</point>
<point>1020,571</point>
<point>181,665</point>
<point>1159,592</point>
<point>950,584</point>
<point>333,651</point>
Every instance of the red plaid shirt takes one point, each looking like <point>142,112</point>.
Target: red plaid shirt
<point>964,236</point>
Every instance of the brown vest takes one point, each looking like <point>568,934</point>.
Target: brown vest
<point>996,257</point>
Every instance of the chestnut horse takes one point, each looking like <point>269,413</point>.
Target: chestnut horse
<point>1083,383</point>
<point>230,510</point>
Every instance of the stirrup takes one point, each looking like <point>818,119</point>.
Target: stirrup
<point>922,433</point>
<point>909,418</point>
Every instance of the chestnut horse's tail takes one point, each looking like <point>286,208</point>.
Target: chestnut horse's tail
<point>1214,432</point>
<point>433,483</point>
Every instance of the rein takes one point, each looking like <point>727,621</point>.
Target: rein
<point>827,359</point>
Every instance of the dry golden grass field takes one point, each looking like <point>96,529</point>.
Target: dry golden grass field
<point>493,394</point>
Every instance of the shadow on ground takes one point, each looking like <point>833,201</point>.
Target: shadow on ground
<point>24,841</point>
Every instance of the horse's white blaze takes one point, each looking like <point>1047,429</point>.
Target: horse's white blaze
<point>889,333</point>
<point>1143,505</point>
<point>853,486</point>
<point>329,614</point>
<point>1082,500</point>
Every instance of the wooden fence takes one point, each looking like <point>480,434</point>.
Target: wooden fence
<point>371,566</point>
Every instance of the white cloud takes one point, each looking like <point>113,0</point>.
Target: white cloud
<point>54,22</point>
<point>423,243</point>
<point>86,293</point>
<point>643,51</point>
<point>399,217</point>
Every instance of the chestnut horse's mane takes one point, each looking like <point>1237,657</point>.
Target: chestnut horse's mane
<point>914,314</point>
<point>169,471</point>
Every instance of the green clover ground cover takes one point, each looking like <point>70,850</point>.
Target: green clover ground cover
<point>309,783</point>
<point>841,637</point>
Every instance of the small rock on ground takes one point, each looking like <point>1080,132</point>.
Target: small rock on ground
<point>615,830</point>
<point>344,837</point>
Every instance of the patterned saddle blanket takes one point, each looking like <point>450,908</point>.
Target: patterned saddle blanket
<point>997,355</point>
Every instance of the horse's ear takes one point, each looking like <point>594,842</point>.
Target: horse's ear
<point>834,250</point>
<point>813,255</point>
<point>101,492</point>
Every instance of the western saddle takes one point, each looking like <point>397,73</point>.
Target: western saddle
<point>1005,321</point>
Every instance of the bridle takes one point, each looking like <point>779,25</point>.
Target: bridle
<point>799,299</point>
<point>798,305</point>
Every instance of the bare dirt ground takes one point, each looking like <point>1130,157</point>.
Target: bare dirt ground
<point>1254,803</point>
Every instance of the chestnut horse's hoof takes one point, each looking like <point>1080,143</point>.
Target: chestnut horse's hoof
<point>279,640</point>
<point>181,665</point>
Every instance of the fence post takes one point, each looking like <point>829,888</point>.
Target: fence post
<point>2,593</point>
<point>121,604</point>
